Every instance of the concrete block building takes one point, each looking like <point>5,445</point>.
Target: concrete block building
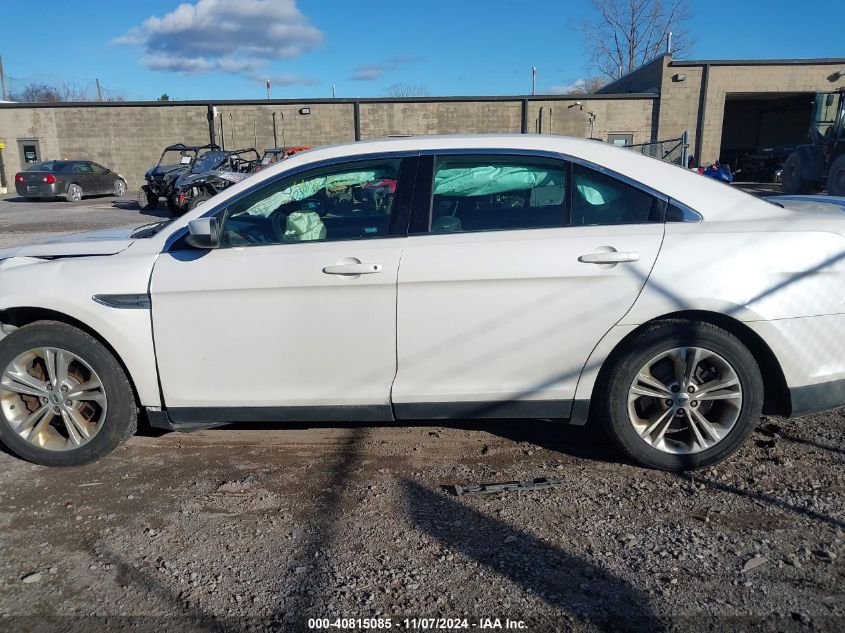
<point>727,107</point>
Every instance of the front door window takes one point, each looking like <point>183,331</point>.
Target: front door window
<point>351,202</point>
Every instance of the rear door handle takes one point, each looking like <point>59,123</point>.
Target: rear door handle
<point>610,257</point>
<point>353,269</point>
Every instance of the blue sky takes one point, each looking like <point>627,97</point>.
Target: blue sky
<point>452,47</point>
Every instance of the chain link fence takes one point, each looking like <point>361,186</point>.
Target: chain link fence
<point>673,150</point>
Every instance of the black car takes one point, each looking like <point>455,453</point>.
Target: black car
<point>210,174</point>
<point>175,160</point>
<point>72,179</point>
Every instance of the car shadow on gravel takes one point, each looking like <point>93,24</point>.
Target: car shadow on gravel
<point>576,587</point>
<point>132,205</point>
<point>765,499</point>
<point>587,442</point>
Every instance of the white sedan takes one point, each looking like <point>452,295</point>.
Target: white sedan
<point>460,277</point>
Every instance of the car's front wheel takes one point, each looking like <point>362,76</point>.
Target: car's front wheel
<point>680,395</point>
<point>64,398</point>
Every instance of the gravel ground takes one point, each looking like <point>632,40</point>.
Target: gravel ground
<point>262,528</point>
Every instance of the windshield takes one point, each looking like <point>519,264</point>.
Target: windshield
<point>208,161</point>
<point>174,157</point>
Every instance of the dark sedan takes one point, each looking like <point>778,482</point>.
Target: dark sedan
<point>69,178</point>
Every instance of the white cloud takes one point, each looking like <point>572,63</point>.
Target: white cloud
<point>565,89</point>
<point>229,36</point>
<point>289,79</point>
<point>370,72</point>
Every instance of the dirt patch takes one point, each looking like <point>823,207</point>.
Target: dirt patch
<point>265,528</point>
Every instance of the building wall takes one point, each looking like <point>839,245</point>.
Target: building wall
<point>682,100</point>
<point>440,117</point>
<point>749,79</point>
<point>129,138</point>
<point>612,116</point>
<point>251,125</point>
<point>646,78</point>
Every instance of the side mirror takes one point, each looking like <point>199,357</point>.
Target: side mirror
<point>828,100</point>
<point>203,233</point>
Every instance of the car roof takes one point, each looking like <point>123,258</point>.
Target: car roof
<point>714,200</point>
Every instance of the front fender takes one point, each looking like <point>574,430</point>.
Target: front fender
<point>66,286</point>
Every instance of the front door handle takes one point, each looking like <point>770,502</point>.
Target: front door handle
<point>609,257</point>
<point>353,269</point>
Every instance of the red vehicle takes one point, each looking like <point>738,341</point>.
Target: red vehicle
<point>275,154</point>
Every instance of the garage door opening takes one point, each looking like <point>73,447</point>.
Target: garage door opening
<point>759,131</point>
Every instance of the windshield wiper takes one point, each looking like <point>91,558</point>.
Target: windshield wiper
<point>148,230</point>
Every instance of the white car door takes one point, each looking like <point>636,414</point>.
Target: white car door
<point>294,315</point>
<point>525,264</point>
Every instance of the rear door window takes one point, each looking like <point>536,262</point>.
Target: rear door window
<point>492,193</point>
<point>600,199</point>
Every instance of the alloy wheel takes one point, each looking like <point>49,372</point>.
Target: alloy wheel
<point>74,193</point>
<point>685,400</point>
<point>52,399</point>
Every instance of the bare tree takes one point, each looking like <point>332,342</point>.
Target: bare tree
<point>590,85</point>
<point>39,92</point>
<point>406,90</point>
<point>628,33</point>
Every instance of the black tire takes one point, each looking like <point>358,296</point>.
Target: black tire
<point>121,417</point>
<point>147,200</point>
<point>793,181</point>
<point>611,392</point>
<point>198,199</point>
<point>836,177</point>
<point>173,206</point>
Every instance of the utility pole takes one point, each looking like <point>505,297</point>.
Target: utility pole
<point>99,90</point>
<point>533,80</point>
<point>2,80</point>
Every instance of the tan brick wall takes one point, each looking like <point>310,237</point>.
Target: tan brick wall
<point>128,140</point>
<point>252,125</point>
<point>444,117</point>
<point>747,79</point>
<point>613,116</point>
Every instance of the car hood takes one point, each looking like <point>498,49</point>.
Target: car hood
<point>230,176</point>
<point>107,242</point>
<point>810,203</point>
<point>167,170</point>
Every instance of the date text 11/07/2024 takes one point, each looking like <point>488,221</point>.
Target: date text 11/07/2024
<point>417,624</point>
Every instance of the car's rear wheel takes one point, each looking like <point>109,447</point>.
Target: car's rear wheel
<point>680,395</point>
<point>146,199</point>
<point>119,187</point>
<point>836,177</point>
<point>74,193</point>
<point>64,398</point>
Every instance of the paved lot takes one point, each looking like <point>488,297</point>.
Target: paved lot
<point>23,221</point>
<point>262,528</point>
